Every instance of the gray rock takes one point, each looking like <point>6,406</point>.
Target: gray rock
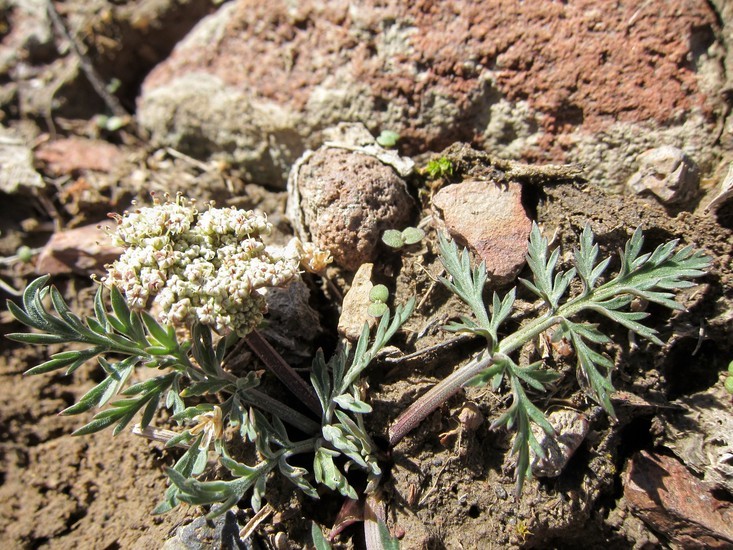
<point>16,159</point>
<point>202,534</point>
<point>667,173</point>
<point>293,325</point>
<point>700,433</point>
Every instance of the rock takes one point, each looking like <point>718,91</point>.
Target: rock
<point>699,430</point>
<point>491,220</point>
<point>343,200</point>
<point>667,173</point>
<point>83,250</point>
<point>724,194</point>
<point>571,428</point>
<point>201,534</point>
<point>667,497</point>
<point>292,324</point>
<point>532,81</point>
<point>16,159</point>
<point>355,304</point>
<point>230,125</point>
<point>29,35</point>
<point>72,155</point>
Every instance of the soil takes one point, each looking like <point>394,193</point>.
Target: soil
<point>442,491</point>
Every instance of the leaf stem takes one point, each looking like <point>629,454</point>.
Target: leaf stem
<point>449,386</point>
<point>292,380</point>
<point>279,409</point>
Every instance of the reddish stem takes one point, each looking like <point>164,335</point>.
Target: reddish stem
<point>285,373</point>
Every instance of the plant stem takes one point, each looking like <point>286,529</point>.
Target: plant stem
<point>446,388</point>
<point>283,412</point>
<point>285,373</point>
<point>449,386</point>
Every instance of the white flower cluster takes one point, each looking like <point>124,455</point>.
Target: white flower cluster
<point>198,266</point>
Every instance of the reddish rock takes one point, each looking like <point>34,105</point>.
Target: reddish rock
<point>82,250</point>
<point>520,77</point>
<point>491,220</point>
<point>73,155</point>
<point>347,200</point>
<point>668,498</point>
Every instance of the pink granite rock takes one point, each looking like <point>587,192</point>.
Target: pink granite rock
<point>68,156</point>
<point>585,81</point>
<point>491,220</point>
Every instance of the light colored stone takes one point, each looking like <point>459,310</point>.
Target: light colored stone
<point>16,161</point>
<point>571,428</point>
<point>356,302</point>
<point>491,220</point>
<point>667,173</point>
<point>83,250</point>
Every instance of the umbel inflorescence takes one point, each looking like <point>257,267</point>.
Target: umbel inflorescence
<point>206,266</point>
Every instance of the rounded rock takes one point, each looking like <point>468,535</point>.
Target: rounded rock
<point>347,200</point>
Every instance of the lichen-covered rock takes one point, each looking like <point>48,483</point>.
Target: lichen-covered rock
<point>346,200</point>
<point>537,81</point>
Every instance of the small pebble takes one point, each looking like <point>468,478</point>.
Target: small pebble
<point>668,173</point>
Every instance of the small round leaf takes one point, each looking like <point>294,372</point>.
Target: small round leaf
<point>377,309</point>
<point>393,238</point>
<point>379,294</point>
<point>729,384</point>
<point>412,235</point>
<point>388,138</point>
<point>25,254</point>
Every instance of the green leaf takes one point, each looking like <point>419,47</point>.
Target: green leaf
<point>467,283</point>
<point>105,390</point>
<point>64,359</point>
<point>393,238</point>
<point>412,235</point>
<point>328,474</point>
<point>185,468</point>
<point>161,335</point>
<point>379,293</point>
<point>120,309</point>
<point>319,541</point>
<point>205,387</point>
<point>377,309</point>
<point>320,379</point>
<point>101,421</point>
<point>35,338</point>
<point>385,537</point>
<point>349,403</point>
